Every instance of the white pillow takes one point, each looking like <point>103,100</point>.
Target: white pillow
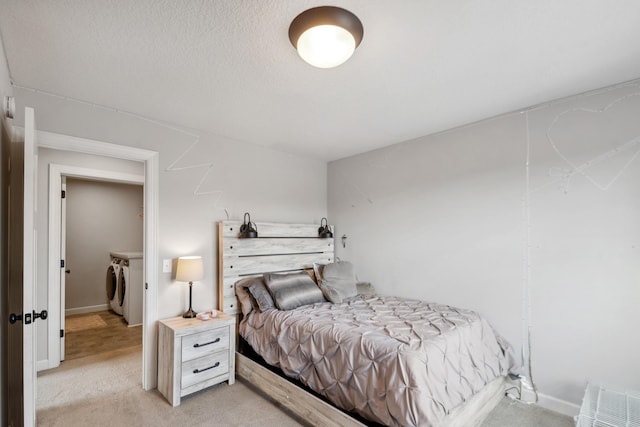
<point>337,281</point>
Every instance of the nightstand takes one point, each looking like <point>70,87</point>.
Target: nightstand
<point>194,354</point>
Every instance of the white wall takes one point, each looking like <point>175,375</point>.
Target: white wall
<point>102,217</point>
<point>5,90</point>
<point>462,218</point>
<point>202,178</point>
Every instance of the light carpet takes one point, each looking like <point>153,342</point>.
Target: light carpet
<point>81,323</point>
<point>105,390</point>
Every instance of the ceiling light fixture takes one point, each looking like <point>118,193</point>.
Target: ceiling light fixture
<point>326,36</point>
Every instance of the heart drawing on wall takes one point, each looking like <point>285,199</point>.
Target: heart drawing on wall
<point>598,144</point>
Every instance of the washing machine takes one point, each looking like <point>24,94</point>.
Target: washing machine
<point>130,285</point>
<point>113,285</point>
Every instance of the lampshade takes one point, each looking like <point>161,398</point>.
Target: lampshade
<point>189,269</point>
<point>326,36</point>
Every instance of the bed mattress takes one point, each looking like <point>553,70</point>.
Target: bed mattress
<point>393,361</point>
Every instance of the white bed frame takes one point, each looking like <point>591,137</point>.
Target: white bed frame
<point>290,247</point>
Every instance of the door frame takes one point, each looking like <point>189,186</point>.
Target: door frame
<point>63,285</point>
<point>151,207</point>
<point>56,295</point>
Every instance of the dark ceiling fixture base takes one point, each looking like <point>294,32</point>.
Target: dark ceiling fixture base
<point>325,15</point>
<point>330,34</point>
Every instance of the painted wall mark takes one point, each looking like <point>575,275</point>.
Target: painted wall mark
<point>174,166</point>
<point>207,166</point>
<point>595,155</point>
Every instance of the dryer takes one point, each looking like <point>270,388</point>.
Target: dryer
<point>113,285</point>
<point>130,285</point>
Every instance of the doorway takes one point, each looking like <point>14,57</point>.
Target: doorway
<point>101,232</point>
<point>151,180</point>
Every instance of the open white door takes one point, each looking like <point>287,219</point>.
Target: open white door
<point>21,287</point>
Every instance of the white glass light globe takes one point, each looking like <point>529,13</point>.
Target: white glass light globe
<point>326,46</point>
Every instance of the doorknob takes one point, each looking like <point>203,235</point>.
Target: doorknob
<point>42,315</point>
<point>68,271</point>
<point>13,318</point>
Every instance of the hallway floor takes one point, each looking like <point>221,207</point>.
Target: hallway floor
<point>111,334</point>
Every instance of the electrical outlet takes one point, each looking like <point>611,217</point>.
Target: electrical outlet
<point>166,266</point>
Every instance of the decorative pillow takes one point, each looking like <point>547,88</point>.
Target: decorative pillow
<point>258,290</point>
<point>366,289</point>
<point>247,302</point>
<point>311,272</point>
<point>338,281</point>
<point>293,290</point>
<point>317,271</point>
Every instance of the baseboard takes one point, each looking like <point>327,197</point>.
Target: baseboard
<point>558,405</point>
<point>88,309</point>
<point>43,365</point>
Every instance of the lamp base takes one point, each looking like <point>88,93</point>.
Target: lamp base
<point>189,314</point>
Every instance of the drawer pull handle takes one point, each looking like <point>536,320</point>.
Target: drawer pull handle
<point>197,371</point>
<point>196,345</point>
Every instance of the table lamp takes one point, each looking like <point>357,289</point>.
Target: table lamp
<point>189,269</point>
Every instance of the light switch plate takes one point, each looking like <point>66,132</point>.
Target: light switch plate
<point>166,266</point>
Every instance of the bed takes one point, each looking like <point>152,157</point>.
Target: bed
<point>376,359</point>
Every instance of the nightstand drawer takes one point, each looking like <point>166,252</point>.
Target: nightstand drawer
<point>204,368</point>
<point>200,344</point>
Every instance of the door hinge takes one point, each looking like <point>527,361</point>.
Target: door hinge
<point>64,194</point>
<point>61,263</point>
<point>61,333</point>
<point>146,286</point>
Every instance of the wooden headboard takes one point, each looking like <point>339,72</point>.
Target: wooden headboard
<point>278,248</point>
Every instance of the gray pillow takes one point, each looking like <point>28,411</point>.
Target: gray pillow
<point>338,281</point>
<point>262,296</point>
<point>293,290</point>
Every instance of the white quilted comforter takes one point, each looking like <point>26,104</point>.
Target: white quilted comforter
<point>391,360</point>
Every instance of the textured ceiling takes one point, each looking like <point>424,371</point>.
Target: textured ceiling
<point>227,66</point>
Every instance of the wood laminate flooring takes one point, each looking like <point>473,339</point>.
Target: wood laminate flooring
<point>115,335</point>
